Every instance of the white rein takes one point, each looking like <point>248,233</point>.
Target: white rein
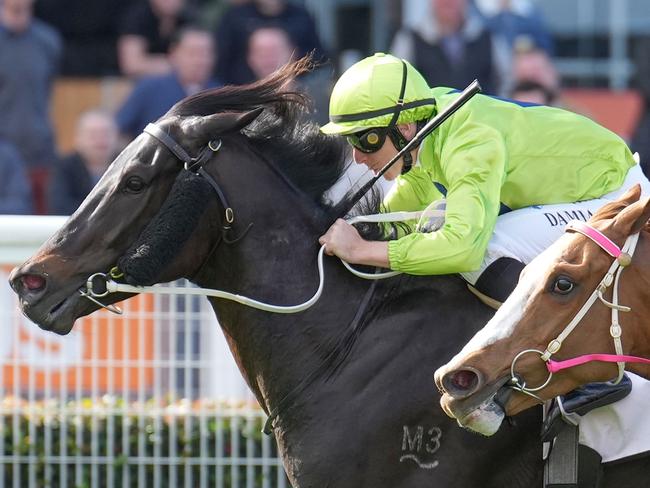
<point>114,287</point>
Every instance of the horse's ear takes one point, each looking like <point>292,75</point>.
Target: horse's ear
<point>613,208</point>
<point>229,121</point>
<point>211,125</point>
<point>631,195</point>
<point>634,217</point>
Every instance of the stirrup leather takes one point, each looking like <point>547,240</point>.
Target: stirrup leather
<point>489,301</point>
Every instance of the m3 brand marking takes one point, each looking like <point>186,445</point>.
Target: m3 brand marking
<point>418,445</point>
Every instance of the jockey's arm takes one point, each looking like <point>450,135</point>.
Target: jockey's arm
<point>412,191</point>
<point>474,168</point>
<point>344,241</point>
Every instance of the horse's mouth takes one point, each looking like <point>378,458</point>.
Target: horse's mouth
<point>483,412</point>
<point>59,312</point>
<point>484,419</point>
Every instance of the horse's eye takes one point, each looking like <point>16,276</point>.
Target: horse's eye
<point>134,184</point>
<point>563,286</point>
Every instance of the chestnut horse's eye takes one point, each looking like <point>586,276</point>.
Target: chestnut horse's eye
<point>134,184</point>
<point>563,286</point>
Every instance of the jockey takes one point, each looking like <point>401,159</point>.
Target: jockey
<point>510,172</point>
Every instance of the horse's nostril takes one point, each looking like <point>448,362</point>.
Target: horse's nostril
<point>32,282</point>
<point>461,382</point>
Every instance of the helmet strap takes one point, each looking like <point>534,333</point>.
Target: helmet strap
<point>400,100</point>
<point>399,141</point>
<point>396,136</point>
<point>408,163</point>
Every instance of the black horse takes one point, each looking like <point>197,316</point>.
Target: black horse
<point>349,381</point>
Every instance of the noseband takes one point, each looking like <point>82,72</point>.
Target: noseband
<point>194,164</point>
<point>623,258</point>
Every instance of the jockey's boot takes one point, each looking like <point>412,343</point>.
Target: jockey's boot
<point>498,281</point>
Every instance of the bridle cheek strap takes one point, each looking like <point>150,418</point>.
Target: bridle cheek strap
<point>195,164</point>
<point>623,259</point>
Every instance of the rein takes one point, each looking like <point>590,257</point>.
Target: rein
<point>623,258</point>
<point>109,284</point>
<point>106,281</point>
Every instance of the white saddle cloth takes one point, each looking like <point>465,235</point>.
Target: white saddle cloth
<point>621,429</point>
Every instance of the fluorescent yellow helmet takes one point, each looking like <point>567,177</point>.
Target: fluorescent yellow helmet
<point>368,95</point>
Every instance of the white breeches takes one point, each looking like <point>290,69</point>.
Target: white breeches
<point>524,233</point>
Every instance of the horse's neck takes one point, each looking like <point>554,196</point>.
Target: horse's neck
<point>277,263</point>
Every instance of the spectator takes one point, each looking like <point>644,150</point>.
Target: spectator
<point>15,190</point>
<point>239,21</point>
<point>269,48</point>
<point>77,174</point>
<point>29,57</point>
<point>89,30</point>
<point>532,92</point>
<point>534,75</point>
<point>515,20</point>
<point>209,12</point>
<point>146,34</point>
<point>452,47</point>
<point>191,56</point>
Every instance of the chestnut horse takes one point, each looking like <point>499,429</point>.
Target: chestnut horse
<point>574,318</point>
<point>347,382</point>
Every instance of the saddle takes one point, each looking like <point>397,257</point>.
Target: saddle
<point>568,409</point>
<point>570,464</point>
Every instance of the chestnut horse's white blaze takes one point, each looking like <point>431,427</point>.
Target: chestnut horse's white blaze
<point>504,322</point>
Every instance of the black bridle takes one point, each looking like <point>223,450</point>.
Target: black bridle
<point>195,165</point>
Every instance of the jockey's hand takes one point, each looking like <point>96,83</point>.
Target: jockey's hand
<point>343,240</point>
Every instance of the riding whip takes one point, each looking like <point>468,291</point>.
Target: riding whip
<point>471,90</point>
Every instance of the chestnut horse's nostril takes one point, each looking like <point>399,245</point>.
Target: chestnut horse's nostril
<point>32,282</point>
<point>461,383</point>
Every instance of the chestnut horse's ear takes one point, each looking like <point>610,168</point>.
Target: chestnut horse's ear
<point>634,217</point>
<point>209,126</point>
<point>631,195</point>
<point>613,208</point>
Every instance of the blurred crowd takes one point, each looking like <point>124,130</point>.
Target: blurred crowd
<point>170,49</point>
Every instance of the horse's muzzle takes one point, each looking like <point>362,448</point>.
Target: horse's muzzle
<point>51,307</point>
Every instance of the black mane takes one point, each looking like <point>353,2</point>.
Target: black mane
<point>283,133</point>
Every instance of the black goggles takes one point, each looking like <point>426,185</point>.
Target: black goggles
<point>368,141</point>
